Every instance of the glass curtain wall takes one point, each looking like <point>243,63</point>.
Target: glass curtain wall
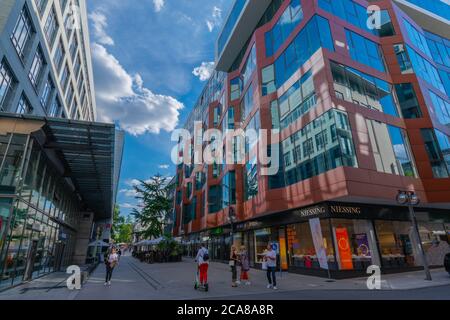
<point>38,228</point>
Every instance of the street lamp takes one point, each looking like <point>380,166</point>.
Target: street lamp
<point>232,219</point>
<point>410,199</point>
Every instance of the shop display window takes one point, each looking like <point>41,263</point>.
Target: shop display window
<point>355,244</point>
<point>262,238</point>
<point>302,252</point>
<point>435,243</point>
<point>397,245</point>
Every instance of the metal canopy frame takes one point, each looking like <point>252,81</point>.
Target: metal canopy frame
<point>86,150</point>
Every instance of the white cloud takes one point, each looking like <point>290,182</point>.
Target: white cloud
<point>205,71</point>
<point>128,206</point>
<point>158,5</point>
<point>215,20</point>
<point>131,193</point>
<point>164,166</point>
<point>123,98</point>
<point>99,24</point>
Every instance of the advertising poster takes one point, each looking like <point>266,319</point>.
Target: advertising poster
<point>345,252</point>
<point>363,245</point>
<point>321,252</point>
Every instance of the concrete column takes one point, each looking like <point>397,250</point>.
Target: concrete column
<point>83,238</point>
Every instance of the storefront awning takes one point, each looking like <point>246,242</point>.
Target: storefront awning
<point>85,152</point>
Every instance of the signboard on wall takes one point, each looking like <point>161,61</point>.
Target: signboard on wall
<point>344,248</point>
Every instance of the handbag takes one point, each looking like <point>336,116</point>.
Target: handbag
<point>232,263</point>
<point>264,265</point>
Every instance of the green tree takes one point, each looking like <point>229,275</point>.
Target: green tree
<point>122,230</point>
<point>155,206</point>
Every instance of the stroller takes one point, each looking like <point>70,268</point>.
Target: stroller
<point>198,285</point>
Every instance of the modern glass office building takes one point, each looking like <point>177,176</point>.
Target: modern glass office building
<point>58,169</point>
<point>358,105</point>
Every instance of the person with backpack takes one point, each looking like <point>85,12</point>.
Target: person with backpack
<point>202,260</point>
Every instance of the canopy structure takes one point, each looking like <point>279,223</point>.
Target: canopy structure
<point>87,152</point>
<point>98,243</point>
<point>84,153</point>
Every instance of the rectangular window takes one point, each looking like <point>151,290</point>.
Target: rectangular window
<point>22,32</point>
<point>64,80</point>
<point>314,35</point>
<point>37,67</point>
<point>407,99</point>
<point>55,109</point>
<point>391,149</point>
<point>365,51</point>
<point>7,84</point>
<point>441,109</point>
<point>247,103</point>
<point>24,106</point>
<point>235,88</point>
<point>403,59</point>
<point>41,4</point>
<point>251,179</point>
<point>363,89</point>
<point>290,18</point>
<point>51,26</point>
<point>47,92</point>
<point>214,199</point>
<point>437,145</point>
<point>322,145</point>
<point>268,80</point>
<point>59,56</point>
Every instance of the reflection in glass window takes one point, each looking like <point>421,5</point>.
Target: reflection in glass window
<point>247,103</point>
<point>22,32</point>
<point>7,84</point>
<point>365,51</point>
<point>51,26</point>
<point>441,109</point>
<point>297,101</point>
<point>290,18</point>
<point>268,80</point>
<point>403,59</point>
<point>397,248</point>
<point>37,67</point>
<point>250,67</point>
<point>229,189</point>
<point>425,70</point>
<point>391,149</point>
<point>24,106</point>
<point>439,48</point>
<point>437,145</point>
<point>322,145</point>
<point>362,89</point>
<point>251,179</point>
<point>417,38</point>
<point>235,88</point>
<point>302,252</point>
<point>314,35</point>
<point>407,99</point>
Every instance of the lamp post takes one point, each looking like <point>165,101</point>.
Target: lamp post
<point>410,199</point>
<point>232,219</point>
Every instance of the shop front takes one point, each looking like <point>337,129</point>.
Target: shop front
<point>341,240</point>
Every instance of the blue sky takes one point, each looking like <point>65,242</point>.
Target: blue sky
<point>151,60</point>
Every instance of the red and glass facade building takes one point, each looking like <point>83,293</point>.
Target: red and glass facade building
<point>359,107</point>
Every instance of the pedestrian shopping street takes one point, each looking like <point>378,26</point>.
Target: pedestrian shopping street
<point>133,280</point>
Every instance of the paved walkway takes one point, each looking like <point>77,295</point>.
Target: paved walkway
<point>133,280</point>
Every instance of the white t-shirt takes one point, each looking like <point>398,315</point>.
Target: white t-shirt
<point>200,255</point>
<point>113,257</point>
<point>269,256</point>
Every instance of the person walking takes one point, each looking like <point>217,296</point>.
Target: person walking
<point>270,258</point>
<point>111,262</point>
<point>202,260</point>
<point>233,264</point>
<point>245,265</point>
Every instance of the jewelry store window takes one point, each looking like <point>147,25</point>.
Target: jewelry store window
<point>355,241</point>
<point>302,250</point>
